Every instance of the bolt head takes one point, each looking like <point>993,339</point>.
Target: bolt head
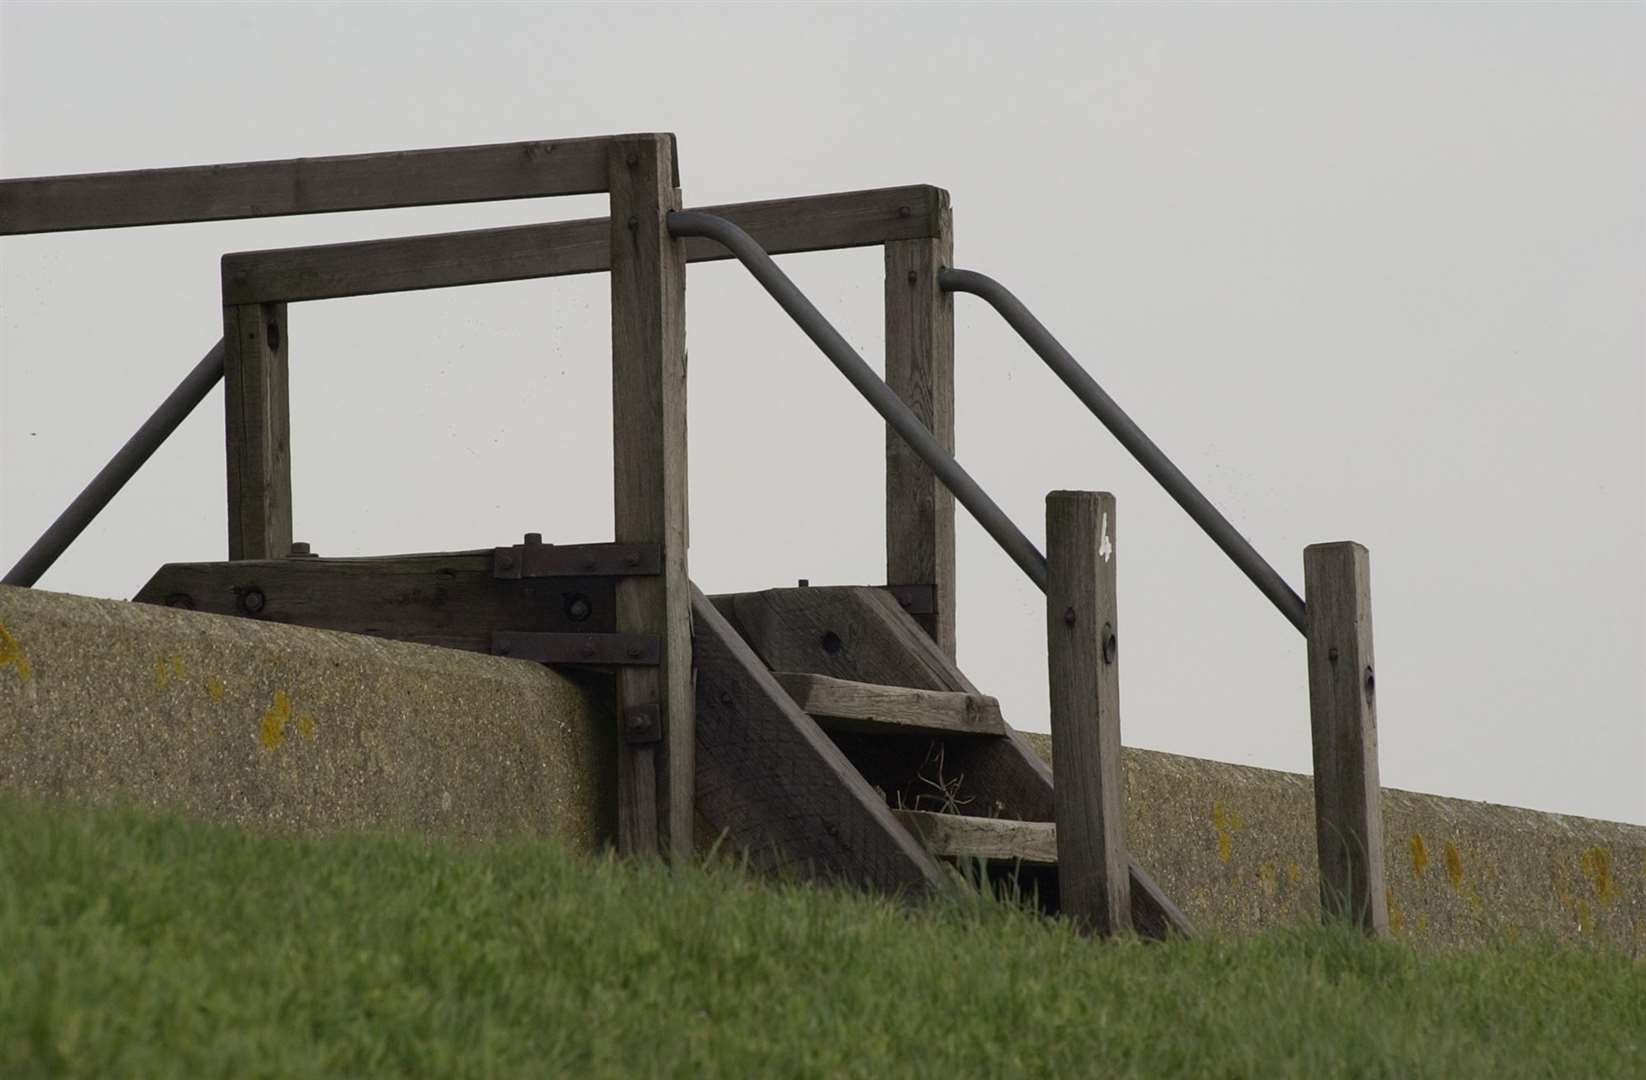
<point>1068,616</point>
<point>299,547</point>
<point>252,600</point>
<point>534,538</point>
<point>505,560</point>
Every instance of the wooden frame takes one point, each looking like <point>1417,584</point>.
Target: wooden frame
<point>1083,663</point>
<point>1343,721</point>
<point>323,185</point>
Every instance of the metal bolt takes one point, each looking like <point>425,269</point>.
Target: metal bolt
<point>905,211</point>
<point>831,642</point>
<point>577,609</point>
<point>534,539</point>
<point>1331,655</point>
<point>252,600</point>
<point>914,277</point>
<point>634,223</point>
<point>1068,616</point>
<point>632,560</point>
<point>588,652</point>
<point>1111,644</point>
<point>505,560</point>
<point>638,722</point>
<point>300,550</point>
<point>725,698</point>
<point>804,583</point>
<point>1371,684</point>
<point>631,159</point>
<point>634,652</point>
<point>272,336</point>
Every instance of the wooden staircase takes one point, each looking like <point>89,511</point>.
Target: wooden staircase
<point>835,740</point>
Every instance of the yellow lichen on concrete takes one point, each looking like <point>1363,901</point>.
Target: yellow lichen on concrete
<point>1224,824</point>
<point>1454,866</point>
<point>1397,917</point>
<point>1420,855</point>
<point>214,688</point>
<point>271,732</point>
<point>11,655</point>
<point>305,726</point>
<point>1596,864</point>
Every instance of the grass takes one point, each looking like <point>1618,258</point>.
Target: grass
<point>135,945</point>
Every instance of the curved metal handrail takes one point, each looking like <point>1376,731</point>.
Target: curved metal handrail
<point>871,386</point>
<point>121,468</point>
<point>1112,416</point>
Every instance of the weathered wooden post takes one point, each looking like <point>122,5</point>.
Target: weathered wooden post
<point>257,413</point>
<point>656,765</point>
<point>1083,662</point>
<point>1343,720</point>
<point>920,369</point>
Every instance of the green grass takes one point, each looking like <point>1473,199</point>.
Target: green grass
<point>142,946</point>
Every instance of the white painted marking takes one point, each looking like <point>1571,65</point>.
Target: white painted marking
<point>1104,547</point>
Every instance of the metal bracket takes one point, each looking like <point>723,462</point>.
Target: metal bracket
<point>616,650</point>
<point>642,724</point>
<point>915,599</point>
<point>534,560</point>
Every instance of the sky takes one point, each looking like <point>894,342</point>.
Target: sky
<point>1369,272</point>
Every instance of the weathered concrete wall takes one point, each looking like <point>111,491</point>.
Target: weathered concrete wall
<point>274,726</point>
<point>1235,846</point>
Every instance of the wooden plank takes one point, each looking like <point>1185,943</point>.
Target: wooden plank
<point>920,369</point>
<point>257,430</point>
<point>1343,720</point>
<point>861,633</point>
<point>458,174</point>
<point>955,836</point>
<point>843,705</point>
<point>777,788</point>
<point>448,599</point>
<point>648,280</point>
<point>1083,665</point>
<point>553,249</point>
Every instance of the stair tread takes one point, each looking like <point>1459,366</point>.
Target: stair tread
<point>957,836</point>
<point>844,705</point>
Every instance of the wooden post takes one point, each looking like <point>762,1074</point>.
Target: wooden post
<point>920,368</point>
<point>656,765</point>
<point>1093,868</point>
<point>257,411</point>
<point>1343,719</point>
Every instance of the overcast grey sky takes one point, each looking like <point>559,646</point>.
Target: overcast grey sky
<point>1370,272</point>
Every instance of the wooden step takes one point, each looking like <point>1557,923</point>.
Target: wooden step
<point>952,836</point>
<point>843,705</point>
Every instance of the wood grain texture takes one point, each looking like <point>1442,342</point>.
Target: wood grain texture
<point>257,430</point>
<point>878,642</point>
<point>448,599</point>
<point>1083,665</point>
<point>553,249</point>
<point>920,369</point>
<point>1343,721</point>
<point>843,705</point>
<point>773,783</point>
<point>955,836</point>
<point>648,278</point>
<point>253,189</point>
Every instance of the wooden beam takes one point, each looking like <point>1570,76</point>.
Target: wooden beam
<point>451,599</point>
<point>843,705</point>
<point>253,189</point>
<point>1343,720</point>
<point>1083,663</point>
<point>257,415</point>
<point>648,285</point>
<point>954,836</point>
<point>553,249</point>
<point>777,788</point>
<point>920,368</point>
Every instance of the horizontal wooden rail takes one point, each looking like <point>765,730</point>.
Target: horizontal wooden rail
<point>458,174</point>
<point>480,256</point>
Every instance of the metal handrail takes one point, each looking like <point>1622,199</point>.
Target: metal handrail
<point>121,468</point>
<point>857,371</point>
<point>1066,367</point>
